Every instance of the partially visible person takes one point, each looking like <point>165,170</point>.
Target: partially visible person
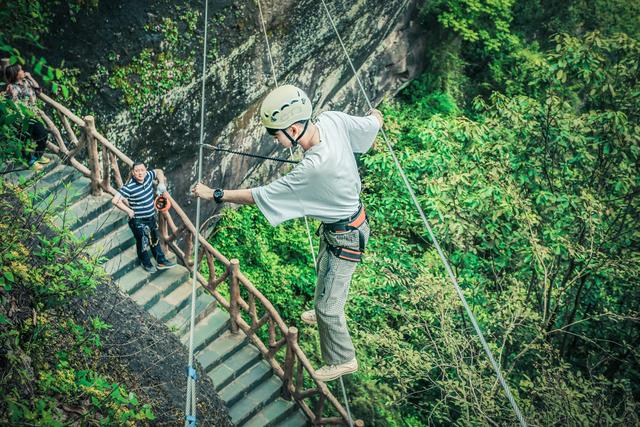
<point>138,193</point>
<point>21,87</point>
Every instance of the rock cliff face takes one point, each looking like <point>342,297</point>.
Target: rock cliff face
<point>382,37</point>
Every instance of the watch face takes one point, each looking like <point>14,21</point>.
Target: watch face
<point>217,194</point>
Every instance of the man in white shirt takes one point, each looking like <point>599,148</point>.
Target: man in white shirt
<point>326,186</point>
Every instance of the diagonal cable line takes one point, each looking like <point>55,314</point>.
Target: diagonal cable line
<point>452,276</point>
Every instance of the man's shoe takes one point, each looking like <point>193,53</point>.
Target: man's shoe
<point>309,317</point>
<point>43,160</point>
<point>37,167</point>
<point>332,372</point>
<point>149,268</point>
<point>166,265</point>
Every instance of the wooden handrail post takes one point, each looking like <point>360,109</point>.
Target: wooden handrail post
<point>106,172</point>
<point>189,249</point>
<point>289,360</point>
<point>164,232</point>
<point>234,291</point>
<point>94,161</point>
<point>116,170</point>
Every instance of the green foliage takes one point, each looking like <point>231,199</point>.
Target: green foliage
<point>533,193</point>
<point>14,123</point>
<point>277,260</point>
<point>486,22</point>
<point>15,116</point>
<point>152,74</point>
<point>25,22</point>
<point>51,368</point>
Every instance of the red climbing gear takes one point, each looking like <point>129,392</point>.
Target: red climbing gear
<point>162,203</point>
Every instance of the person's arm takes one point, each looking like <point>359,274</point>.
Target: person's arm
<point>118,202</point>
<point>162,181</point>
<point>160,176</point>
<point>241,197</point>
<point>33,83</point>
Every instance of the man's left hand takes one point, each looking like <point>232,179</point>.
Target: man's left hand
<point>377,114</point>
<point>202,191</point>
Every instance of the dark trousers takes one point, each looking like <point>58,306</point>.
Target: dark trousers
<point>137,226</point>
<point>38,133</point>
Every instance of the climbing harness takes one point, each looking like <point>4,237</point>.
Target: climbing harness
<point>345,226</point>
<point>452,276</point>
<point>190,404</point>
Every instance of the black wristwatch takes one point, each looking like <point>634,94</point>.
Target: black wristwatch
<point>218,194</point>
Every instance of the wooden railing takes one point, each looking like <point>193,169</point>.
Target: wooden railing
<point>84,144</point>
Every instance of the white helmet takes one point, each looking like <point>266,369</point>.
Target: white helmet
<point>285,106</point>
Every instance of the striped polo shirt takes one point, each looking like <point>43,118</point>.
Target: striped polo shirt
<point>140,195</point>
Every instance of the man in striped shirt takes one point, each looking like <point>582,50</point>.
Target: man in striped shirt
<point>138,193</point>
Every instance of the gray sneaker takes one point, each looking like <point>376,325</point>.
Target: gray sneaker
<point>332,372</point>
<point>309,317</point>
<point>166,265</point>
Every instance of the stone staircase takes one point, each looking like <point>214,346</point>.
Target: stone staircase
<point>243,380</point>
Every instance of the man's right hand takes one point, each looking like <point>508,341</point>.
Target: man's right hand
<point>202,191</point>
<point>131,214</point>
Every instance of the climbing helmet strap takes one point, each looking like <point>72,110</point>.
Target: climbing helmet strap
<point>294,142</point>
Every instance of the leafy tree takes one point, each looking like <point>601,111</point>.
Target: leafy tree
<point>534,194</point>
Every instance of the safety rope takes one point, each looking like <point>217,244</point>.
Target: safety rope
<point>306,221</point>
<point>452,276</point>
<point>275,81</point>
<point>190,405</point>
<point>244,153</point>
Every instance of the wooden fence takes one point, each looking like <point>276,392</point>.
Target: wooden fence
<point>248,316</point>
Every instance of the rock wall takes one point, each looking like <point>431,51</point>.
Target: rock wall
<point>385,46</point>
<point>384,39</point>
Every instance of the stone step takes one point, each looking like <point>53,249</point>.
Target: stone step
<point>150,289</point>
<point>257,398</point>
<point>180,323</point>
<point>116,242</point>
<point>102,225</point>
<point>168,306</point>
<point>219,350</point>
<point>294,419</point>
<point>17,178</point>
<point>277,413</point>
<point>49,185</point>
<point>23,173</point>
<point>207,330</point>
<point>83,211</point>
<point>245,383</point>
<point>234,366</point>
<point>122,262</point>
<point>71,192</point>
